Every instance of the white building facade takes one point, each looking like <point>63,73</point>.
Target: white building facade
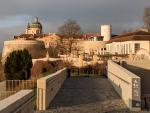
<point>127,47</point>
<point>129,43</point>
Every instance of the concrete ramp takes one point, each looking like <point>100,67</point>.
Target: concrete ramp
<point>87,95</point>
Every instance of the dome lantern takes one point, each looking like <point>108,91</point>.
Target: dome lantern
<point>36,19</point>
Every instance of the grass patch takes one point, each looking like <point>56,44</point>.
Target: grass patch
<point>35,98</point>
<point>45,73</point>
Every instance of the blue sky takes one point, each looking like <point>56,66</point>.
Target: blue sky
<point>122,14</point>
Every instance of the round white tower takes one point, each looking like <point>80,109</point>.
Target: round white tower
<point>106,32</point>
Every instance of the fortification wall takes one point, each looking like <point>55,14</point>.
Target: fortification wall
<point>35,48</point>
<point>127,85</point>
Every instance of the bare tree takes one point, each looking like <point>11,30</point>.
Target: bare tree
<point>147,17</point>
<point>71,30</point>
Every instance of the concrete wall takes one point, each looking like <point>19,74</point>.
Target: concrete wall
<point>142,69</point>
<point>3,86</point>
<point>47,88</point>
<point>126,84</point>
<point>21,102</point>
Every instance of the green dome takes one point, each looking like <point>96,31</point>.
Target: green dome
<point>36,25</point>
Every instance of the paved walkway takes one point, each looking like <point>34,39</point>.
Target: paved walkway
<point>87,95</point>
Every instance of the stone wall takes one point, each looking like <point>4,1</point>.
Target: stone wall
<point>47,88</point>
<point>35,48</point>
<point>126,84</point>
<point>21,102</point>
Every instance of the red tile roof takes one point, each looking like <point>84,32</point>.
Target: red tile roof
<point>30,36</point>
<point>89,35</point>
<point>138,35</point>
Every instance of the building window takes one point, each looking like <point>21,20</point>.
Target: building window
<point>127,49</point>
<point>137,47</point>
<point>123,48</point>
<point>130,48</point>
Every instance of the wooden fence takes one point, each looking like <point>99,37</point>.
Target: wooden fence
<point>13,86</point>
<point>17,85</point>
<point>89,70</point>
<point>5,94</point>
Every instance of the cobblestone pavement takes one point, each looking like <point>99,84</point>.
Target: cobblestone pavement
<point>87,95</point>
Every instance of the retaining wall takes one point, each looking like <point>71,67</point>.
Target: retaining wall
<point>126,84</point>
<point>47,88</point>
<point>35,48</point>
<point>21,102</point>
